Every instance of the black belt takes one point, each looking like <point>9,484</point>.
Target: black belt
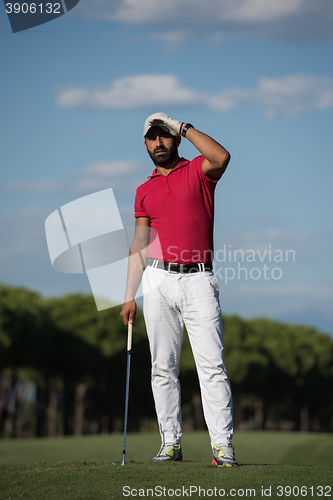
<point>174,267</point>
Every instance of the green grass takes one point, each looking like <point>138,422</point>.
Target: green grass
<point>99,480</point>
<point>292,448</point>
<point>79,468</point>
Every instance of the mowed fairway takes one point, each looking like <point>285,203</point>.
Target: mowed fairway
<point>272,465</point>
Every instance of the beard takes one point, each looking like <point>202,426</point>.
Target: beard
<point>168,156</point>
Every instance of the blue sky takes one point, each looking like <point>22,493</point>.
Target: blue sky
<point>257,75</point>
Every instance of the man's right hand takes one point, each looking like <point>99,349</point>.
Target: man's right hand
<point>128,312</point>
<point>173,126</point>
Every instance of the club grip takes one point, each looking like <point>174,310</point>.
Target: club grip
<point>129,337</point>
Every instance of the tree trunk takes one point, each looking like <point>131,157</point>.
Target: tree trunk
<point>330,423</point>
<point>5,385</point>
<point>235,413</point>
<point>305,423</point>
<point>79,408</point>
<point>52,409</point>
<point>258,414</point>
<point>41,405</point>
<point>20,394</point>
<point>199,420</point>
<point>67,407</point>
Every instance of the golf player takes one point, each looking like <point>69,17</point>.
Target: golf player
<point>178,283</point>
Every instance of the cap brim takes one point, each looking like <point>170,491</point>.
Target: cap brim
<point>160,125</point>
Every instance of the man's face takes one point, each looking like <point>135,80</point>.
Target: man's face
<point>162,147</point>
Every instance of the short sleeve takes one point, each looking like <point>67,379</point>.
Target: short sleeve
<point>139,206</point>
<point>198,164</point>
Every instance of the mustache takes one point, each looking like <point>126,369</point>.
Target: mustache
<point>161,149</point>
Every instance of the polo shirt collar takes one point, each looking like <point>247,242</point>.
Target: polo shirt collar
<point>182,163</point>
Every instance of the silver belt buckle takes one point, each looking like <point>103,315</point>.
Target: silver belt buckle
<point>173,264</point>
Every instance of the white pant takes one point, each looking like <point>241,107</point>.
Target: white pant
<point>169,301</point>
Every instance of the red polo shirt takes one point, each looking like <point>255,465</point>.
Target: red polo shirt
<point>180,207</point>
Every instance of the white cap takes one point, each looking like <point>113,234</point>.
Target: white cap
<point>147,125</point>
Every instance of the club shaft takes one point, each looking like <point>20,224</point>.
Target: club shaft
<point>129,350</point>
<point>126,399</point>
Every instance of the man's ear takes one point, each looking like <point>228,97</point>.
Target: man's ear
<point>178,140</point>
<point>145,144</point>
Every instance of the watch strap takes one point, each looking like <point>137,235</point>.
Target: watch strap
<point>185,129</point>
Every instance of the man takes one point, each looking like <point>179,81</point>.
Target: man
<point>178,284</point>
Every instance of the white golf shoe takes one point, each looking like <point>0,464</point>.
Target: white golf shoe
<point>224,455</point>
<point>169,451</point>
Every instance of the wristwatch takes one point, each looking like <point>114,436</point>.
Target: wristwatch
<point>185,129</point>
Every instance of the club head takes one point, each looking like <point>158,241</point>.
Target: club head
<point>115,463</point>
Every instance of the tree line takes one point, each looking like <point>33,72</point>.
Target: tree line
<point>63,370</point>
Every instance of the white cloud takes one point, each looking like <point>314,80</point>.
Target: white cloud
<point>129,92</point>
<point>249,11</point>
<point>172,39</point>
<point>277,19</point>
<point>110,169</point>
<point>242,11</point>
<point>295,94</point>
<point>145,12</point>
<point>289,95</point>
<point>122,175</point>
<point>148,12</point>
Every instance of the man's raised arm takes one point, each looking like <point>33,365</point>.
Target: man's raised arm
<point>216,156</point>
<point>136,266</point>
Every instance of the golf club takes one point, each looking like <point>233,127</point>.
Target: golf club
<point>129,348</point>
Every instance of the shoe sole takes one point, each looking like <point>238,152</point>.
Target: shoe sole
<point>224,465</point>
<point>180,459</point>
